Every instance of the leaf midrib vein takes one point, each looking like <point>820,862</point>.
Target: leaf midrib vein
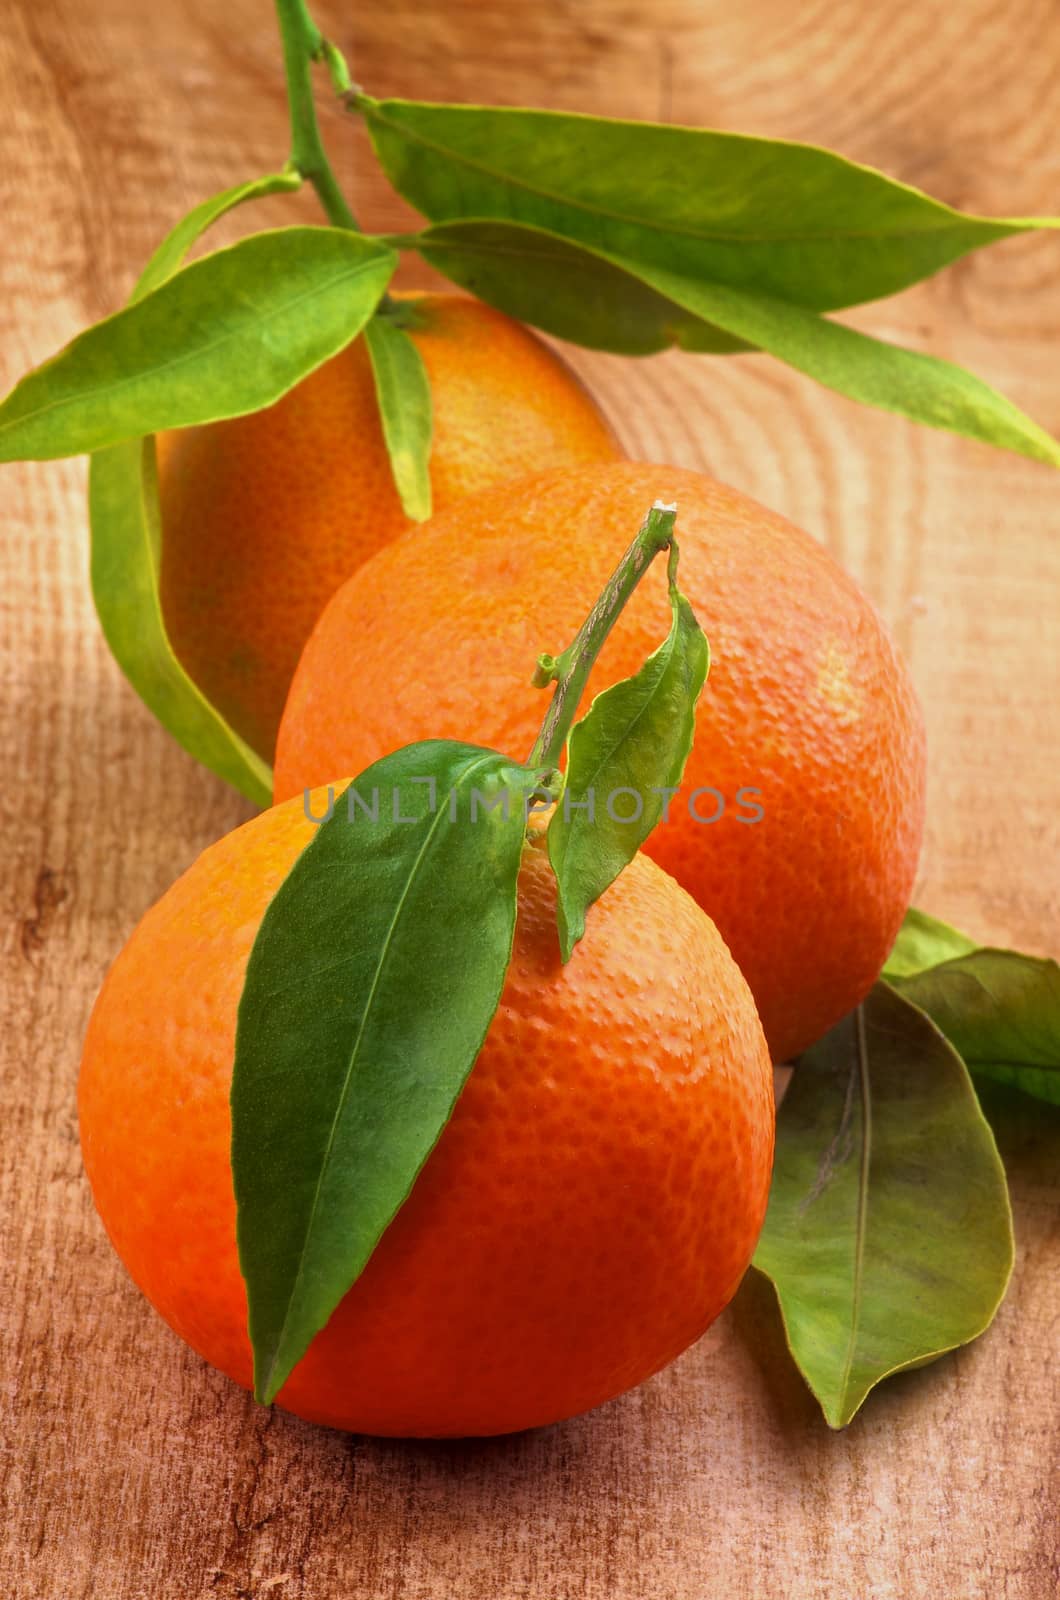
<point>863,1198</point>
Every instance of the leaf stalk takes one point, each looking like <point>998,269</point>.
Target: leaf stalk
<point>570,670</point>
<point>304,44</point>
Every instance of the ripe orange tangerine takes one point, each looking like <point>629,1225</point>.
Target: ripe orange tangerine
<point>808,730</point>
<point>264,516</point>
<point>587,1212</point>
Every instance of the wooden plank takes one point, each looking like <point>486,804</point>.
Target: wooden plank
<point>128,1469</point>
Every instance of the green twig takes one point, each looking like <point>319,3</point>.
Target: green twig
<point>303,44</point>
<point>570,671</point>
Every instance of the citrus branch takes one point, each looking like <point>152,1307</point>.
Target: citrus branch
<point>570,671</point>
<point>304,44</point>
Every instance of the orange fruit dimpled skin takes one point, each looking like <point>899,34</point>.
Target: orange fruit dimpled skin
<point>587,1212</point>
<point>264,516</point>
<point>807,702</point>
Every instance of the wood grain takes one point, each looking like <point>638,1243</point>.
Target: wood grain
<point>130,1470</point>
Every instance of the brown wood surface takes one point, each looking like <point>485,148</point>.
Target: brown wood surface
<point>129,1469</point>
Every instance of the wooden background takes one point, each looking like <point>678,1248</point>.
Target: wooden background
<point>130,1470</point>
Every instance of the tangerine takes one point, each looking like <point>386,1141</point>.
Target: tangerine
<point>264,516</point>
<point>808,729</point>
<point>588,1210</point>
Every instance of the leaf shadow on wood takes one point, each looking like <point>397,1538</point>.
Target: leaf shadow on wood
<point>756,1323</point>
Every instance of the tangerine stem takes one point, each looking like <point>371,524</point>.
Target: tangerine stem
<point>303,44</point>
<point>570,670</point>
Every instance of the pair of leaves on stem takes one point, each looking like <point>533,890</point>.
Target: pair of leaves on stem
<point>888,1236</point>
<point>624,236</point>
<point>379,964</point>
<point>632,236</point>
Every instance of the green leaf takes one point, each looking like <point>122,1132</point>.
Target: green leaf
<point>567,290</point>
<point>175,246</point>
<point>632,308</point>
<point>786,220</point>
<point>371,985</point>
<point>1001,1010</point>
<point>998,1008</point>
<point>228,334</point>
<point>888,1235</point>
<point>922,942</point>
<point>126,552</point>
<point>622,757</point>
<point>126,543</point>
<point>404,393</point>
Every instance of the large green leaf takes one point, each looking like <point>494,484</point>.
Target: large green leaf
<point>633,307</point>
<point>786,220</point>
<point>404,394</point>
<point>888,1235</point>
<point>126,545</point>
<point>228,334</point>
<point>372,982</point>
<point>998,1008</point>
<point>625,757</point>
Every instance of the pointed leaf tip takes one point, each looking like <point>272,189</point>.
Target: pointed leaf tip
<point>404,394</point>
